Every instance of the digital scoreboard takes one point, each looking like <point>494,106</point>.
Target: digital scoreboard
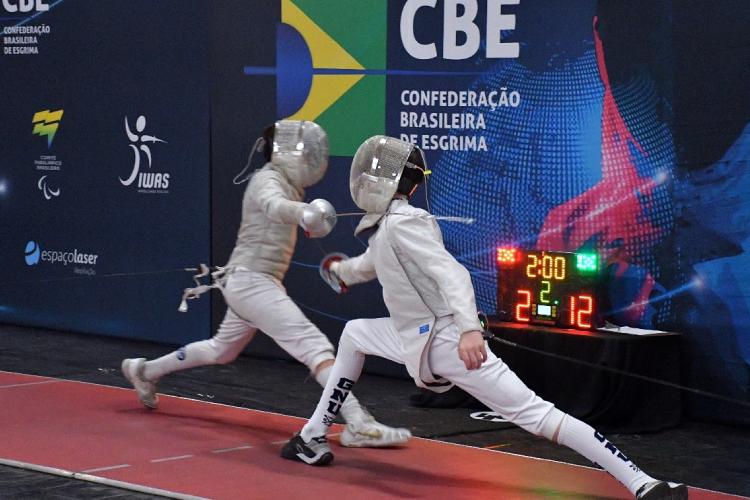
<point>551,288</point>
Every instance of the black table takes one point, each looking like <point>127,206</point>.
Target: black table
<point>610,401</point>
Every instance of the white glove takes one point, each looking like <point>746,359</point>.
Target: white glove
<point>334,267</point>
<point>328,269</point>
<point>318,218</point>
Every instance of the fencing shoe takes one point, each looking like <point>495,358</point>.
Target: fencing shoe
<point>146,390</point>
<point>366,432</point>
<point>662,490</point>
<point>313,452</point>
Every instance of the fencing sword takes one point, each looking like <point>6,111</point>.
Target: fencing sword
<point>447,218</point>
<point>217,275</point>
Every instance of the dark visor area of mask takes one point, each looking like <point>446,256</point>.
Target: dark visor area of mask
<point>411,178</point>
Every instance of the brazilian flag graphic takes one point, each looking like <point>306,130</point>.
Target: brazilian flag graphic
<point>331,60</point>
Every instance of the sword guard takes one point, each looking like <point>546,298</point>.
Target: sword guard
<point>485,324</point>
<point>329,276</point>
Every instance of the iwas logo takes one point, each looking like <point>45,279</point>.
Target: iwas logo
<point>141,144</point>
<point>82,262</point>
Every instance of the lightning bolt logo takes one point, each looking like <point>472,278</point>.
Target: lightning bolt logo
<point>46,123</point>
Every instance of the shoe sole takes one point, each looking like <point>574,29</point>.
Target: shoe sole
<point>291,454</point>
<point>371,444</point>
<point>325,459</point>
<point>665,492</point>
<point>352,442</point>
<point>678,493</point>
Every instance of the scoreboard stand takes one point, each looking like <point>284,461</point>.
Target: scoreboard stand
<point>550,301</point>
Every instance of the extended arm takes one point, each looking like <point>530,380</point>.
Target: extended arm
<point>317,218</point>
<point>355,270</point>
<point>273,201</point>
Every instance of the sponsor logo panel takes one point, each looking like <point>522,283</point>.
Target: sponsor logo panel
<point>81,262</point>
<point>46,124</point>
<point>143,146</point>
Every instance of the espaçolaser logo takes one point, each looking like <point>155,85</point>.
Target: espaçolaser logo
<point>34,254</point>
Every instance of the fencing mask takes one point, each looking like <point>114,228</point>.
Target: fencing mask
<point>376,172</point>
<point>300,149</point>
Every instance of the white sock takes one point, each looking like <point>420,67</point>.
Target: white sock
<point>200,353</point>
<point>340,380</point>
<point>351,410</point>
<point>582,438</point>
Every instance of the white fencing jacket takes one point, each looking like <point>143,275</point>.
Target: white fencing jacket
<point>271,209</point>
<point>422,284</point>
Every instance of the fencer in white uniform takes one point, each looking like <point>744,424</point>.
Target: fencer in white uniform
<point>272,208</point>
<point>433,326</point>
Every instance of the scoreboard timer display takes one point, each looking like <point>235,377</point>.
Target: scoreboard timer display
<point>551,288</point>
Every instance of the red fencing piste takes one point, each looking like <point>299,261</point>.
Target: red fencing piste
<point>209,450</point>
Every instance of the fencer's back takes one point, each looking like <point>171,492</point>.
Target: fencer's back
<point>263,245</point>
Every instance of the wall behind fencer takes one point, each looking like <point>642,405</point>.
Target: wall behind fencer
<point>617,126</point>
<point>627,135</point>
<point>104,157</point>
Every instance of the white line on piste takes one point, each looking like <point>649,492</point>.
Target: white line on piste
<point>236,448</point>
<point>99,469</point>
<point>167,459</point>
<point>29,383</point>
<point>82,476</point>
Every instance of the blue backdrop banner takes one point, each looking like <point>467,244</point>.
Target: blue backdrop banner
<point>104,166</point>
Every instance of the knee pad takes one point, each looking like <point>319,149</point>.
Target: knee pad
<point>349,332</point>
<point>351,326</point>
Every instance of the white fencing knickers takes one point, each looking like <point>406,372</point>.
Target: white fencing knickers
<point>256,301</point>
<point>494,384</point>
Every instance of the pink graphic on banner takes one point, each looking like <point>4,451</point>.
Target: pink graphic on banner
<point>611,212</point>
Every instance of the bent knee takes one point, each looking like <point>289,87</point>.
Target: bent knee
<point>352,330</point>
<point>351,337</point>
<point>353,327</point>
<point>222,354</point>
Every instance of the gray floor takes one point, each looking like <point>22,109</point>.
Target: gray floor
<point>700,454</point>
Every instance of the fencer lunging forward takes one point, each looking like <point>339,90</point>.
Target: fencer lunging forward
<point>272,208</point>
<point>433,326</point>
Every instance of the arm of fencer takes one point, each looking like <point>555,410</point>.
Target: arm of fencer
<point>355,270</point>
<point>420,239</point>
<point>318,218</point>
<point>273,201</point>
